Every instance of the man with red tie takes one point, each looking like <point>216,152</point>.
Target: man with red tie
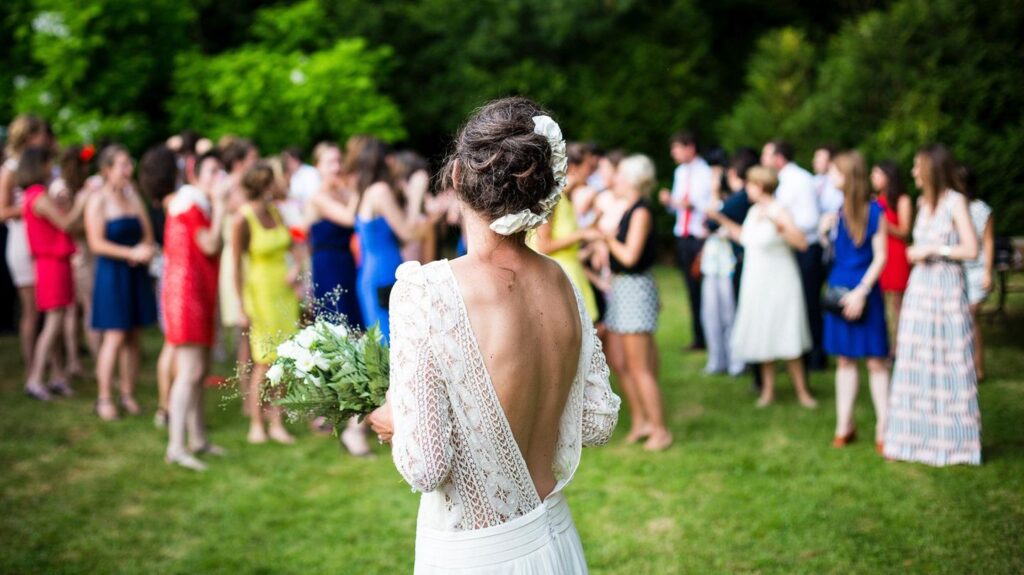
<point>689,200</point>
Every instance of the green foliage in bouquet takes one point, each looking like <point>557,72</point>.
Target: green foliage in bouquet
<point>327,371</point>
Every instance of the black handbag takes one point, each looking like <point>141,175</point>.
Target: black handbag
<point>831,300</point>
<point>384,296</point>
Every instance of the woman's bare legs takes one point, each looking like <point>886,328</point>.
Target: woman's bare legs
<point>897,304</point>
<point>129,360</point>
<point>846,395</point>
<point>43,350</point>
<point>639,426</point>
<point>643,373</point>
<point>258,412</point>
<point>190,368</point>
<point>165,376</point>
<point>767,383</point>
<point>979,345</point>
<point>27,324</point>
<point>878,379</point>
<point>70,332</point>
<point>243,356</point>
<point>799,375</point>
<point>106,362</point>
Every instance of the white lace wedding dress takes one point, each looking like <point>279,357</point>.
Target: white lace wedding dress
<point>480,512</point>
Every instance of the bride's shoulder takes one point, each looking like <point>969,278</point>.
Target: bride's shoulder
<point>421,274</point>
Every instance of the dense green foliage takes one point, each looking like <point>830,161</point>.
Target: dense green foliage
<point>744,490</point>
<point>884,76</point>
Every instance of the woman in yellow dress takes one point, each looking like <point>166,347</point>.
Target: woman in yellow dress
<point>561,236</point>
<point>267,289</point>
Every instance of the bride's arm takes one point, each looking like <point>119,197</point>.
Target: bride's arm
<point>600,404</point>
<point>418,395</point>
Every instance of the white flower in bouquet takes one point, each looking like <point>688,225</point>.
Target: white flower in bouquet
<point>328,371</point>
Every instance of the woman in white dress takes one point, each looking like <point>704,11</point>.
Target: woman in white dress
<point>497,376</point>
<point>771,320</point>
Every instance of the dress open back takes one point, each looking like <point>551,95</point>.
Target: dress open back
<point>480,511</point>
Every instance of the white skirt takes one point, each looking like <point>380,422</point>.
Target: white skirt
<point>19,258</point>
<point>543,541</point>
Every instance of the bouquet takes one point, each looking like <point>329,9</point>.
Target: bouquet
<point>328,371</point>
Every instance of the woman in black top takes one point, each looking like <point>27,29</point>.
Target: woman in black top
<point>632,315</point>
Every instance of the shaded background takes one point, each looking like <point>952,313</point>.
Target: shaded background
<point>887,77</point>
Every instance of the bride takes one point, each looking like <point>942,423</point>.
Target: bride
<point>497,377</point>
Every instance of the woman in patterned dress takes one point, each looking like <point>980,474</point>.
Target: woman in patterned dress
<point>933,406</point>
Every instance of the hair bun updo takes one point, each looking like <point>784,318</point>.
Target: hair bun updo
<point>504,166</point>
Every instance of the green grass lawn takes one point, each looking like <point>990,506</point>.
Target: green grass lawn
<point>743,490</point>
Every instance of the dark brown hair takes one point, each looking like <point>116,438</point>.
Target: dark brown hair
<point>109,154</point>
<point>158,172</point>
<point>938,173</point>
<point>257,180</point>
<point>894,182</point>
<point>34,167</point>
<point>73,167</point>
<point>406,163</point>
<point>683,137</point>
<point>366,158</point>
<point>856,193</point>
<point>503,166</point>
<point>235,151</point>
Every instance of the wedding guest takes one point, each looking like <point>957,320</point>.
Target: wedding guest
<point>303,179</point>
<point>859,332</point>
<point>192,246</point>
<point>238,155</point>
<point>501,326</point>
<point>933,406</point>
<point>585,183</point>
<point>633,303</point>
<point>25,131</point>
<point>411,178</point>
<point>771,319</point>
<point>796,195</point>
<point>120,235</point>
<point>267,289</point>
<point>979,270</point>
<point>381,223</point>
<point>332,211</point>
<point>830,198</point>
<point>73,185</point>
<point>158,178</point>
<point>688,200</point>
<point>899,212</point>
<point>51,246</point>
<point>560,237</point>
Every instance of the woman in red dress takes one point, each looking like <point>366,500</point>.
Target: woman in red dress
<point>192,244</point>
<point>899,213</point>
<point>51,246</point>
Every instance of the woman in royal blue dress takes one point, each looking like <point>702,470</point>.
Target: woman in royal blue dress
<point>332,211</point>
<point>860,246</point>
<point>382,223</point>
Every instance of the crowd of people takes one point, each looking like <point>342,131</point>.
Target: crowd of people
<point>222,247</point>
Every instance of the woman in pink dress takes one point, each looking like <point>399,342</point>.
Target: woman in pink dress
<point>46,226</point>
<point>899,215</point>
<point>192,244</point>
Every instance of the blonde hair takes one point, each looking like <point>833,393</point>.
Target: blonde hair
<point>856,192</point>
<point>638,170</point>
<point>321,149</point>
<point>767,178</point>
<point>21,131</point>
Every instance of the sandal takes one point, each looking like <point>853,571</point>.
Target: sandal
<point>210,449</point>
<point>160,418</point>
<point>185,460</point>
<point>130,406</point>
<point>106,410</point>
<point>62,389</point>
<point>37,392</point>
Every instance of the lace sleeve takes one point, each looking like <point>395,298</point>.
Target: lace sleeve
<point>600,404</point>
<point>422,446</point>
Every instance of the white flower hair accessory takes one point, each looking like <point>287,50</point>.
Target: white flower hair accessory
<point>526,219</point>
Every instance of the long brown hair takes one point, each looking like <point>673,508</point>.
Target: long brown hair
<point>366,158</point>
<point>856,192</point>
<point>21,130</point>
<point>937,172</point>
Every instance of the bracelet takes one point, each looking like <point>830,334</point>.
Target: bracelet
<point>945,251</point>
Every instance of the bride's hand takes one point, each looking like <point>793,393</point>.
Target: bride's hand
<point>381,422</point>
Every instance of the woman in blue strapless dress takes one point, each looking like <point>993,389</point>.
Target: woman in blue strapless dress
<point>382,224</point>
<point>332,211</point>
<point>120,236</point>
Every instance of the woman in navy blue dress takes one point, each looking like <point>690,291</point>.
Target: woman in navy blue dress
<point>120,235</point>
<point>860,244</point>
<point>332,211</point>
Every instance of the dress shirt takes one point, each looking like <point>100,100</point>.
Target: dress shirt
<point>796,194</point>
<point>692,181</point>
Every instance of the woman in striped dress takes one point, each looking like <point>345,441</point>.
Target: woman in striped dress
<point>933,407</point>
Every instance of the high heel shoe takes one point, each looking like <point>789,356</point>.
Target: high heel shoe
<point>129,405</point>
<point>841,441</point>
<point>185,460</point>
<point>880,448</point>
<point>61,388</point>
<point>37,392</point>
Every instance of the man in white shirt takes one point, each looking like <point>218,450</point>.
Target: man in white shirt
<point>830,198</point>
<point>303,182</point>
<point>796,194</point>
<point>689,200</point>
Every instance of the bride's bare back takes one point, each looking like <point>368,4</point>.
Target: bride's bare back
<point>526,321</point>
